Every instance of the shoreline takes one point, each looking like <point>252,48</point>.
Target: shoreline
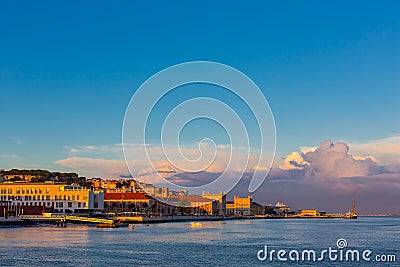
<point>156,220</point>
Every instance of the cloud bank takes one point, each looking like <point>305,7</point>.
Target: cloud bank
<point>306,178</point>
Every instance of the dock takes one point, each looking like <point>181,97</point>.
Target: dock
<point>64,218</point>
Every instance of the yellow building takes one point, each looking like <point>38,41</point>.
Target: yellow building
<point>60,198</point>
<point>242,205</point>
<point>309,213</point>
<point>220,199</point>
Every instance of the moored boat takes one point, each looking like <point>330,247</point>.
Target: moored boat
<point>106,225</point>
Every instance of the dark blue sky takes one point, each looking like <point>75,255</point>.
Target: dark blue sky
<point>68,69</point>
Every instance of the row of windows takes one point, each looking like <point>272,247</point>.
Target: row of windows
<point>242,205</point>
<point>48,204</point>
<point>24,198</point>
<point>42,197</point>
<point>69,197</point>
<point>23,191</point>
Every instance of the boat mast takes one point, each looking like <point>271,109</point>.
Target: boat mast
<point>353,206</point>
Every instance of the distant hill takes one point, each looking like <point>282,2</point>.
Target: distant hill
<point>40,176</point>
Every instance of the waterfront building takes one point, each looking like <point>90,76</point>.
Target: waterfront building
<point>143,203</point>
<point>280,208</point>
<point>230,208</point>
<point>25,198</point>
<point>243,205</point>
<point>220,200</point>
<point>127,202</point>
<point>307,213</point>
<point>193,204</point>
<point>202,205</point>
<point>311,213</point>
<point>257,209</point>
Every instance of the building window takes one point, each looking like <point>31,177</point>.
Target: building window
<point>96,205</point>
<point>69,204</point>
<point>77,197</point>
<point>60,204</point>
<point>47,197</point>
<point>65,197</point>
<point>79,204</point>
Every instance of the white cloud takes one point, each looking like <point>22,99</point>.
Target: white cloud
<point>293,161</point>
<point>305,149</point>
<point>386,151</point>
<point>331,160</point>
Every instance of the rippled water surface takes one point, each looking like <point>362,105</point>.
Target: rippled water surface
<point>228,243</point>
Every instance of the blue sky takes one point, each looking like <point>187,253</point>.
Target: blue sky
<point>68,70</point>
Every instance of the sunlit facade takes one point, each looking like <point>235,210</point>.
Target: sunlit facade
<point>243,205</point>
<point>21,197</point>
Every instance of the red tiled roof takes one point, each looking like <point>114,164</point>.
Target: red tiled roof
<point>175,198</point>
<point>124,196</point>
<point>198,199</point>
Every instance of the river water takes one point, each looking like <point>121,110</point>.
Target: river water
<point>227,243</point>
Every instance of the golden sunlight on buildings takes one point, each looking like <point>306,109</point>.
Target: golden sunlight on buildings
<point>27,198</point>
<point>220,200</point>
<point>242,205</point>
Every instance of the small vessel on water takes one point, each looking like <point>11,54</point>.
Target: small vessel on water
<point>352,214</point>
<point>106,225</point>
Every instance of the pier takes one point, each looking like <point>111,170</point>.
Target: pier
<point>61,220</point>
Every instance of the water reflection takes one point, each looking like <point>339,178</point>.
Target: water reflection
<point>171,244</point>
